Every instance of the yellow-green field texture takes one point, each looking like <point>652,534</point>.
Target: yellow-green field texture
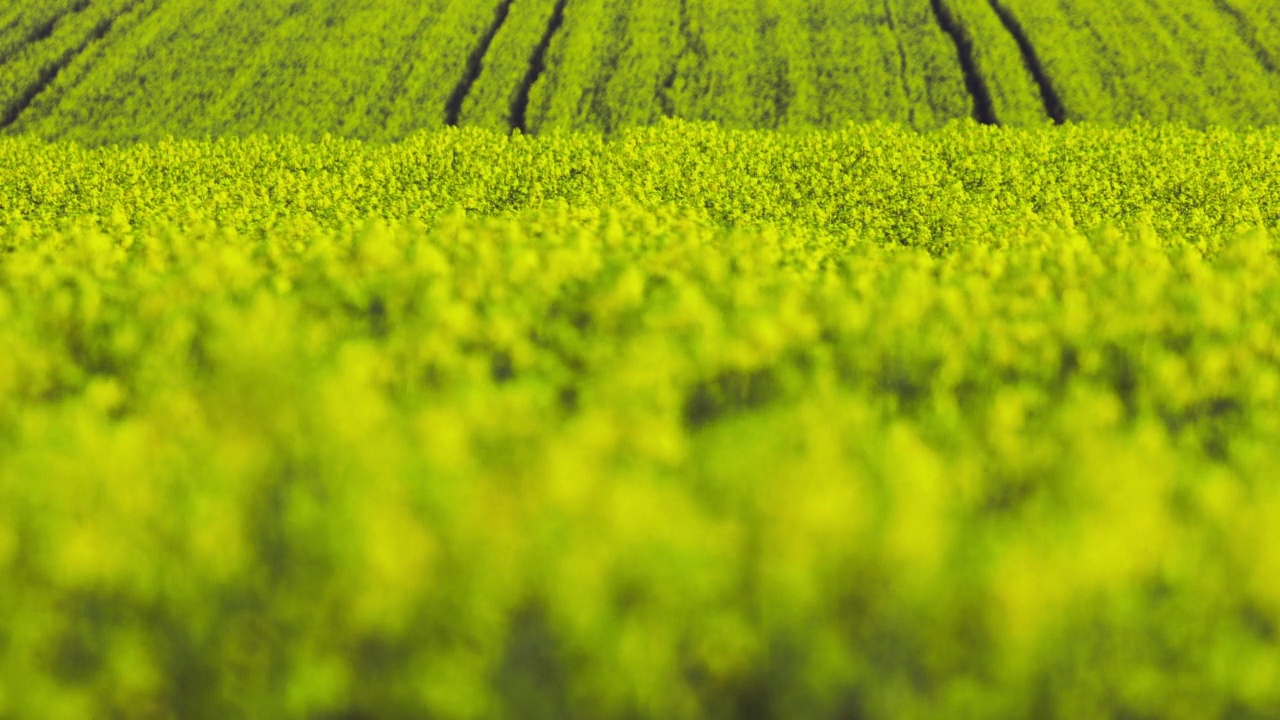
<point>639,359</point>
<point>664,426</point>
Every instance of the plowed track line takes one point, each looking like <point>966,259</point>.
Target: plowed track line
<point>1048,94</point>
<point>608,68</point>
<point>537,65</point>
<point>1248,35</point>
<point>475,64</point>
<point>50,73</point>
<point>399,76</point>
<point>11,24</point>
<point>44,29</point>
<point>983,108</point>
<point>690,46</point>
<point>903,68</point>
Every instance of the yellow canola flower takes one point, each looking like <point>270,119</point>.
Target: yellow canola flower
<point>1258,546</point>
<point>1031,588</point>
<point>399,554</point>
<point>1127,528</point>
<point>454,686</point>
<point>87,555</point>
<point>701,452</point>
<point>217,536</point>
<point>919,526</point>
<point>8,542</point>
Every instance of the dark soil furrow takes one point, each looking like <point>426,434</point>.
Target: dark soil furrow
<point>781,90</point>
<point>50,73</point>
<point>475,64</point>
<point>903,65</point>
<point>983,109</point>
<point>537,65</point>
<point>1052,102</point>
<point>400,74</point>
<point>11,24</point>
<point>691,45</point>
<point>608,68</point>
<point>1248,35</point>
<point>45,29</point>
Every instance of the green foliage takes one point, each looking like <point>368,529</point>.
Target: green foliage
<point>22,23</point>
<point>1185,61</point>
<point>879,183</point>
<point>506,65</point>
<point>31,62</point>
<point>639,418</point>
<point>107,71</point>
<point>696,424</point>
<point>1015,99</point>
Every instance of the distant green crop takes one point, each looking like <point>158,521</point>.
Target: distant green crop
<point>104,71</point>
<point>690,423</point>
<point>878,182</point>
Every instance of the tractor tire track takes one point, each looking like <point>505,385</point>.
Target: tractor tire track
<point>50,72</point>
<point>1048,93</point>
<point>777,65</point>
<point>599,92</point>
<point>903,65</point>
<point>475,64</point>
<point>537,66</point>
<point>399,76</point>
<point>692,45</point>
<point>624,43</point>
<point>17,19</point>
<point>43,30</point>
<point>1249,36</point>
<point>1112,78</point>
<point>983,107</point>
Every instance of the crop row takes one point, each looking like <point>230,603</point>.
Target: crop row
<point>34,62</point>
<point>1200,62</point>
<point>25,23</point>
<point>382,70</point>
<point>620,462</point>
<point>879,182</point>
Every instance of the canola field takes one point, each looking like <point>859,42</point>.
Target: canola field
<point>103,71</point>
<point>651,359</point>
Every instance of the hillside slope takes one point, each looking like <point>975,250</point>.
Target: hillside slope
<point>102,71</point>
